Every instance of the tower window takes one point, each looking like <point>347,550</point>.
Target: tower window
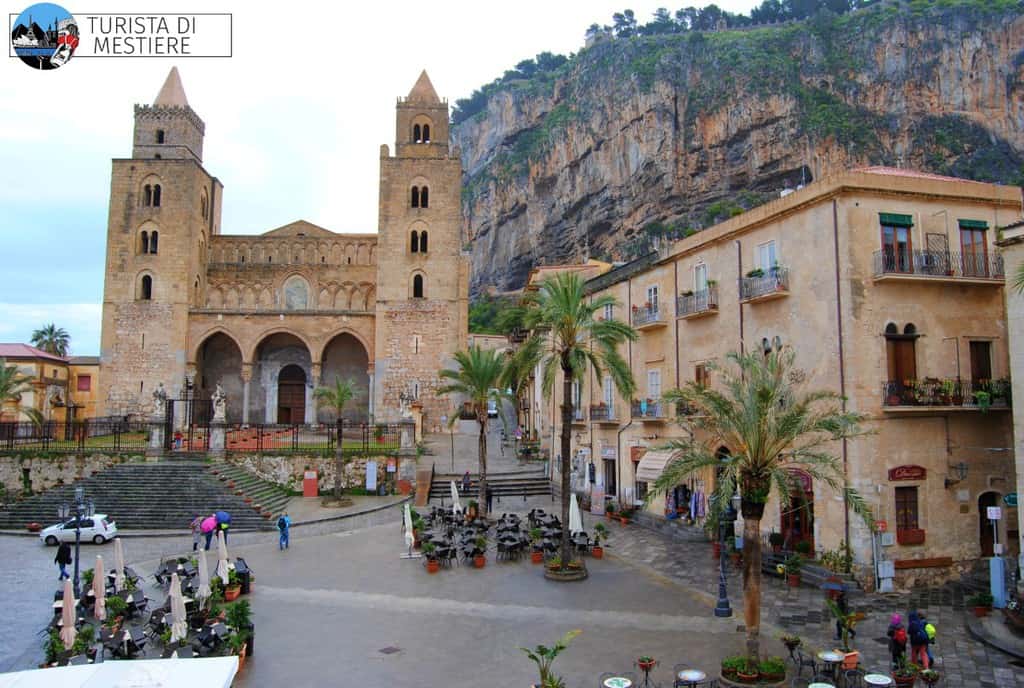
<point>153,238</point>
<point>203,206</point>
<point>417,286</point>
<point>415,197</point>
<point>156,195</point>
<point>146,288</point>
<point>416,135</point>
<point>147,195</point>
<point>157,156</point>
<point>423,198</point>
<point>426,133</point>
<point>159,135</point>
<point>144,244</point>
<point>414,243</point>
<point>423,241</point>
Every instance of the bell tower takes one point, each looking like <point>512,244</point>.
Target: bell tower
<point>422,276</point>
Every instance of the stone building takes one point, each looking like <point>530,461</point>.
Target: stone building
<point>271,316</point>
<point>888,285</point>
<point>61,388</point>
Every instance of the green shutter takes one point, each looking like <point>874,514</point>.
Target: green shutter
<point>973,224</point>
<point>896,220</point>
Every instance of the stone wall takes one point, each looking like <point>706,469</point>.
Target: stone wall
<point>45,472</point>
<point>288,471</point>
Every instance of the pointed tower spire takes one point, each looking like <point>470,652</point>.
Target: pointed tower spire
<point>172,93</point>
<point>423,91</point>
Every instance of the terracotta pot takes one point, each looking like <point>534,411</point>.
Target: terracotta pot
<point>232,592</point>
<point>851,659</point>
<point>905,680</point>
<point>231,483</point>
<point>793,580</point>
<point>624,519</point>
<point>537,557</point>
<point>981,611</point>
<point>716,549</point>
<point>479,561</point>
<point>747,678</point>
<point>433,566</point>
<point>645,666</point>
<point>597,552</point>
<point>248,500</point>
<point>34,527</point>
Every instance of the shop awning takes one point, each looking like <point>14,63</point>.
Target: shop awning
<point>652,465</point>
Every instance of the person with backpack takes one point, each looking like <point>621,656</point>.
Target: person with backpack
<point>897,640</point>
<point>918,640</point>
<point>929,629</point>
<point>62,560</point>
<point>284,524</point>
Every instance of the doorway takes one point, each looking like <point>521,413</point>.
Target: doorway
<point>987,539</point>
<point>610,484</point>
<point>796,517</point>
<point>291,395</point>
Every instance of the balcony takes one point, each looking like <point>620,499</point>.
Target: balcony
<point>685,409</point>
<point>933,394</point>
<point>648,317</point>
<point>767,286</point>
<point>517,335</point>
<point>649,411</point>
<point>578,417</point>
<point>697,304</point>
<point>603,415</point>
<point>938,266</point>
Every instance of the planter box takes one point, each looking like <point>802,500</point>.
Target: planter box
<point>910,536</point>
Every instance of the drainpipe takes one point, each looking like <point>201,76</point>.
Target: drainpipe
<point>629,402</point>
<point>739,287</point>
<point>842,366</point>
<point>675,298</point>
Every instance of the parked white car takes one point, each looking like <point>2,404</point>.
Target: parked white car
<point>95,528</point>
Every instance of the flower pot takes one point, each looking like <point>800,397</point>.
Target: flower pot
<point>747,678</point>
<point>479,561</point>
<point>905,680</point>
<point>597,552</point>
<point>34,527</point>
<point>248,500</point>
<point>231,484</point>
<point>537,557</point>
<point>433,566</point>
<point>793,580</point>
<point>624,519</point>
<point>232,592</point>
<point>981,611</point>
<point>716,549</point>
<point>645,666</point>
<point>851,659</point>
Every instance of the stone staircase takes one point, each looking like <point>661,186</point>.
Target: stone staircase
<point>503,485</point>
<point>144,496</point>
<point>267,495</point>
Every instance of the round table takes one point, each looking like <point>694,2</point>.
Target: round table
<point>877,680</point>
<point>830,657</point>
<point>820,685</point>
<point>691,677</point>
<point>617,682</point>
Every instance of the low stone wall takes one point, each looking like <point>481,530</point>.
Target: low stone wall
<point>22,472</point>
<point>288,471</point>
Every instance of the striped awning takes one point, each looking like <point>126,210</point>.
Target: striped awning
<point>652,465</point>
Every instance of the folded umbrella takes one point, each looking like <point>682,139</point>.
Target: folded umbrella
<point>222,558</point>
<point>203,593</point>
<point>179,624</point>
<point>99,590</point>
<point>118,565</point>
<point>67,615</point>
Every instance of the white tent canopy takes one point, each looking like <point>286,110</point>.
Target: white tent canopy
<point>206,672</point>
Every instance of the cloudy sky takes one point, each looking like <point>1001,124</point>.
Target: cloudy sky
<point>294,121</point>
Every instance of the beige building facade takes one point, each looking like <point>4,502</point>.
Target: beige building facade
<point>61,388</point>
<point>889,287</point>
<point>270,317</point>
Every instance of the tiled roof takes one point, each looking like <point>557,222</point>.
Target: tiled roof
<point>26,351</point>
<point>84,360</point>
<point>902,172</point>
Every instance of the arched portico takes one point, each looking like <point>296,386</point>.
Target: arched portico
<point>218,360</point>
<point>276,355</point>
<point>346,357</point>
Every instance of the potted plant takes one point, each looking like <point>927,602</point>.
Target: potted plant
<point>983,400</point>
<point>845,621</point>
<point>378,433</point>
<point>803,548</point>
<point>732,665</point>
<point>772,669</point>
<point>430,552</point>
<point>688,292</point>
<point>544,657</point>
<point>624,515</point>
<point>233,589</point>
<point>536,553</point>
<point>609,510</point>
<point>34,527</point>
<point>776,540</point>
<point>791,642</point>
<point>236,641</point>
<point>645,662</point>
<point>793,565</point>
<point>906,673</point>
<point>747,672</point>
<point>946,388</point>
<point>116,607</point>
<point>600,534</point>
<point>479,560</point>
<point>980,603</point>
<point>755,273</point>
<point>930,676</point>
<point>239,616</point>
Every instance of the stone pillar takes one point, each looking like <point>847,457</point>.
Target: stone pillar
<point>217,433</point>
<point>246,379</point>
<point>311,415</point>
<point>156,434</point>
<point>417,418</point>
<point>369,393</point>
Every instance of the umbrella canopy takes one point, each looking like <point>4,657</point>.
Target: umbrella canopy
<point>67,616</point>
<point>456,505</point>
<point>204,592</point>
<point>222,516</point>
<point>575,517</point>
<point>179,620</point>
<point>222,558</point>
<point>118,565</point>
<point>99,590</point>
<point>208,524</point>
<point>409,537</point>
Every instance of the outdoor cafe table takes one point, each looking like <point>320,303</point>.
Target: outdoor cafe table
<point>831,660</point>
<point>617,682</point>
<point>877,680</point>
<point>691,677</point>
<point>818,684</point>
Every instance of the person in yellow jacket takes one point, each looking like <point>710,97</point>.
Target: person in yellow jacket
<point>929,629</point>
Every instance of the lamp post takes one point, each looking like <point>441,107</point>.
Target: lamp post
<point>81,508</point>
<point>725,522</point>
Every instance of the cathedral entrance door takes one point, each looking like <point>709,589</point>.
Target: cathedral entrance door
<point>291,395</point>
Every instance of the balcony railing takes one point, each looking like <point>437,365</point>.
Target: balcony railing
<point>773,282</point>
<point>647,316</point>
<point>704,301</point>
<point>644,409</point>
<point>517,335</point>
<point>602,413</point>
<point>938,264</point>
<point>932,392</point>
<point>578,415</point>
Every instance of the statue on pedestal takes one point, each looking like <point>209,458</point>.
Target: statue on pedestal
<point>159,401</point>
<point>219,404</point>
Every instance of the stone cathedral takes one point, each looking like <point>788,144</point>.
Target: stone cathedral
<point>271,316</point>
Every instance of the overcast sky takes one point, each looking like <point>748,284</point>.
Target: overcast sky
<point>294,121</point>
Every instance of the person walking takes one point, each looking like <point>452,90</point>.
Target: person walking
<point>929,629</point>
<point>918,640</point>
<point>488,498</point>
<point>62,560</point>
<point>897,640</point>
<point>465,483</point>
<point>284,524</point>
<point>844,608</point>
<point>196,526</point>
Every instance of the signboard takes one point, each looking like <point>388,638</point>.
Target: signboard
<point>994,513</point>
<point>803,478</point>
<point>907,473</point>
<point>371,476</point>
<point>608,453</point>
<point>637,453</point>
<point>881,526</point>
<point>391,466</point>
<point>1010,499</point>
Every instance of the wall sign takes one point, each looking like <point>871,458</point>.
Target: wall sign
<point>1010,499</point>
<point>907,473</point>
<point>608,453</point>
<point>994,513</point>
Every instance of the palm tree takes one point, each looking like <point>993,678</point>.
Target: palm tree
<point>12,385</point>
<point>516,379</point>
<point>770,426</point>
<point>52,339</point>
<point>477,380</point>
<point>337,397</point>
<point>566,335</point>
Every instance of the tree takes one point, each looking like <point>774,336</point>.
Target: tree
<point>770,425</point>
<point>52,339</point>
<point>477,380</point>
<point>566,335</point>
<point>12,385</point>
<point>624,23</point>
<point>337,397</point>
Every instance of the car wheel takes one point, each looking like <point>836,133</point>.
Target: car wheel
<point>51,540</point>
<point>99,540</point>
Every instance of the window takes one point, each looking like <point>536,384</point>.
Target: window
<point>156,195</point>
<point>157,156</point>
<point>974,249</point>
<point>415,197</point>
<point>641,490</point>
<point>414,242</point>
<point>426,133</point>
<point>766,258</point>
<point>146,288</point>
<point>159,135</point>
<point>700,278</point>
<point>147,195</point>
<point>576,394</point>
<point>897,249</point>
<point>423,198</point>
<point>608,391</point>
<point>203,203</point>
<point>701,375</point>
<point>981,361</point>
<point>144,242</point>
<point>417,286</point>
<point>154,237</point>
<point>417,136</point>
<point>296,294</point>
<point>906,508</point>
<point>609,311</point>
<point>652,297</point>
<point>84,383</point>
<point>654,384</point>
<point>423,241</point>
<point>901,355</point>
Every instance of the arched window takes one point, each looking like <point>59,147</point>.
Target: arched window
<point>415,197</point>
<point>296,294</point>
<point>159,135</point>
<point>417,286</point>
<point>892,329</point>
<point>423,241</point>
<point>909,329</point>
<point>153,239</point>
<point>147,195</point>
<point>416,136</point>
<point>156,195</point>
<point>144,244</point>
<point>146,288</point>
<point>423,198</point>
<point>203,206</point>
<point>197,290</point>
<point>414,242</point>
<point>426,133</point>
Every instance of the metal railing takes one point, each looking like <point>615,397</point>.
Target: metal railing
<point>641,409</point>
<point>578,415</point>
<point>698,302</point>
<point>942,264</point>
<point>935,392</point>
<point>602,413</point>
<point>87,435</point>
<point>773,280</point>
<point>646,316</point>
<point>277,438</point>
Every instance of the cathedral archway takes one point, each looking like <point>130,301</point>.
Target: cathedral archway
<point>345,357</point>
<point>291,395</point>
<point>275,353</point>
<point>219,361</point>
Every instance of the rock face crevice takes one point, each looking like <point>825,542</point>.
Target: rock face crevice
<point>688,129</point>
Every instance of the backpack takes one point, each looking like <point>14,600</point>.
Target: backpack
<point>899,636</point>
<point>930,630</point>
<point>918,636</point>
<point>281,523</point>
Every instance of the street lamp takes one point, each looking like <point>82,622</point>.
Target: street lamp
<point>725,522</point>
<point>81,508</point>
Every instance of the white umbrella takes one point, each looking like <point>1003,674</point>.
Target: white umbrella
<point>118,565</point>
<point>204,592</point>
<point>222,558</point>
<point>456,506</point>
<point>575,517</point>
<point>179,619</point>
<point>67,616</point>
<point>99,590</point>
<point>409,537</point>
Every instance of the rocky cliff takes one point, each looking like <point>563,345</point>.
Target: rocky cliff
<point>687,129</point>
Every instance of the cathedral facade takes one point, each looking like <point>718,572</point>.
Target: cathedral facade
<point>270,317</point>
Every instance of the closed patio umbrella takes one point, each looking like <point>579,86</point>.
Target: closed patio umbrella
<point>410,539</point>
<point>67,616</point>
<point>575,517</point>
<point>203,593</point>
<point>222,558</point>
<point>456,505</point>
<point>99,590</point>
<point>179,619</point>
<point>118,565</point>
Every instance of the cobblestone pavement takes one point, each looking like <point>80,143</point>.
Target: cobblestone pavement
<point>687,558</point>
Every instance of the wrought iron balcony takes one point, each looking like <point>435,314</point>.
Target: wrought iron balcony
<point>645,317</point>
<point>697,304</point>
<point>602,414</point>
<point>938,265</point>
<point>929,393</point>
<point>772,284</point>
<point>648,410</point>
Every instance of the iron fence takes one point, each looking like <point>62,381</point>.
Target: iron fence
<point>603,412</point>
<point>89,435</point>
<point>943,264</point>
<point>645,409</point>
<point>275,438</point>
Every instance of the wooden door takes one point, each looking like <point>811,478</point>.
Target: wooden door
<point>975,252</point>
<point>797,520</point>
<point>902,359</point>
<point>985,526</point>
<point>291,395</point>
<point>981,361</point>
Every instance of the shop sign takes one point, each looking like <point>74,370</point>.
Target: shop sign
<point>637,453</point>
<point>994,513</point>
<point>391,466</point>
<point>881,526</point>
<point>1010,499</point>
<point>608,453</point>
<point>907,473</point>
